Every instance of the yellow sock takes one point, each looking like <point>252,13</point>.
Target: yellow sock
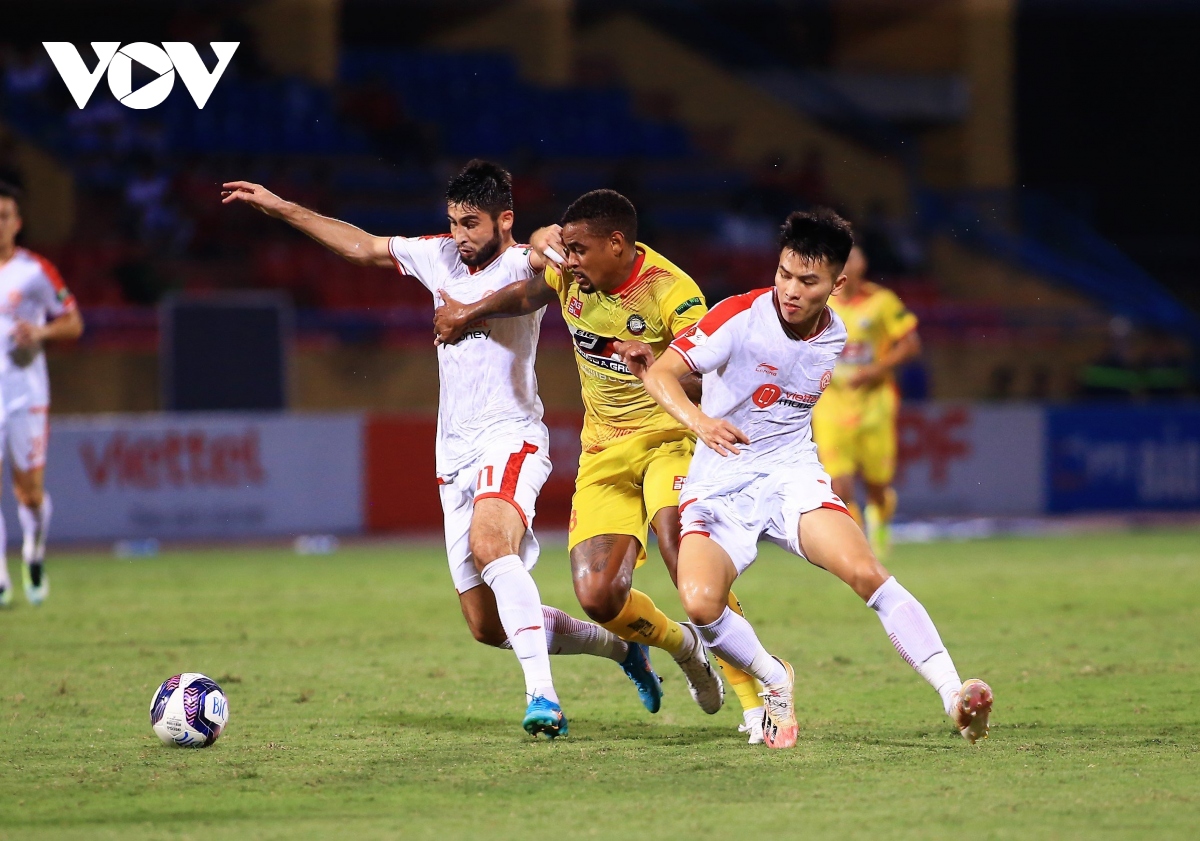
<point>745,686</point>
<point>889,504</point>
<point>856,513</point>
<point>640,620</point>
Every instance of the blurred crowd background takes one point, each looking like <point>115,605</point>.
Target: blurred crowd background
<point>1016,171</point>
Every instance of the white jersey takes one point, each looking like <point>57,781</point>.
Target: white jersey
<point>488,386</point>
<point>762,381</point>
<point>31,290</point>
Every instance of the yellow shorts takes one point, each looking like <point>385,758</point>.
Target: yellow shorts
<point>856,435</point>
<point>620,488</point>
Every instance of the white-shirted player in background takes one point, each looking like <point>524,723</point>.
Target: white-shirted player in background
<point>766,356</point>
<point>492,446</point>
<point>35,308</point>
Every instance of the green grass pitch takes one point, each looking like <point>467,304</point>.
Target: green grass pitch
<point>361,708</point>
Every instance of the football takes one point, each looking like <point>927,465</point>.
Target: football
<point>189,711</point>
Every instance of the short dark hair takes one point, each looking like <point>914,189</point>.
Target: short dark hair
<point>483,185</point>
<point>817,235</point>
<point>11,191</point>
<point>604,211</point>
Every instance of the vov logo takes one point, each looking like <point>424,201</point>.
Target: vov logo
<point>171,57</point>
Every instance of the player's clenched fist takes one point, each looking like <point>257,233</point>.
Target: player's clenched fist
<point>720,435</point>
<point>255,195</point>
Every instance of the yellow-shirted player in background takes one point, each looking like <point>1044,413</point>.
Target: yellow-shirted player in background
<point>616,294</point>
<point>854,422</point>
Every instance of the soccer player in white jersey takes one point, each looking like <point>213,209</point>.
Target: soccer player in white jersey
<point>765,358</point>
<point>35,308</point>
<point>492,446</point>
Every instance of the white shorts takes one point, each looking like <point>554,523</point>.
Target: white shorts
<point>510,469</point>
<point>769,506</point>
<point>26,431</point>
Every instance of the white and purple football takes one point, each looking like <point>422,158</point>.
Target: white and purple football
<point>189,710</point>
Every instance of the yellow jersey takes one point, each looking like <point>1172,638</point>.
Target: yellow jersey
<point>875,320</point>
<point>656,302</point>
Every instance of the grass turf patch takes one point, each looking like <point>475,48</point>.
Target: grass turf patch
<point>361,707</point>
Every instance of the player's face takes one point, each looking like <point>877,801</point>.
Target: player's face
<point>10,223</point>
<point>477,235</point>
<point>596,261</point>
<point>804,287</point>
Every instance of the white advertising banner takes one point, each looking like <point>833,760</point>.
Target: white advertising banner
<point>960,459</point>
<point>203,475</point>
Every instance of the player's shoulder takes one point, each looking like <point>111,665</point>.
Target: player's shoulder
<point>834,335</point>
<point>660,275</point>
<point>38,263</point>
<point>734,309</point>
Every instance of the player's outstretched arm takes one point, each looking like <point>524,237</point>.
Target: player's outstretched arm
<point>451,319</point>
<point>342,238</point>
<point>662,382</point>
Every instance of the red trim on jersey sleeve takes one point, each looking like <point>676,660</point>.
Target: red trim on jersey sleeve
<point>633,275</point>
<point>675,347</point>
<point>727,309</point>
<point>66,301</point>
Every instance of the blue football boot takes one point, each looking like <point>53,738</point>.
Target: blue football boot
<point>638,668</point>
<point>544,716</point>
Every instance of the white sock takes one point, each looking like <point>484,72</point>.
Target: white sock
<point>520,608</point>
<point>567,635</point>
<point>733,639</point>
<point>912,632</point>
<point>34,526</point>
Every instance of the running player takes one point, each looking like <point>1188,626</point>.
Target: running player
<point>35,308</point>
<point>492,447</point>
<point>854,425</point>
<point>615,293</point>
<point>766,356</point>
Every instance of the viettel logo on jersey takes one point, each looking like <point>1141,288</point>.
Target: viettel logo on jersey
<point>118,61</point>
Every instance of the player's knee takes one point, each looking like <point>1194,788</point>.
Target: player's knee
<point>28,492</point>
<point>599,600</point>
<point>701,604</point>
<point>489,544</point>
<point>867,577</point>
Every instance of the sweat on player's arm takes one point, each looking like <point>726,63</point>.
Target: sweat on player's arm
<point>452,318</point>
<point>342,238</point>
<point>662,381</point>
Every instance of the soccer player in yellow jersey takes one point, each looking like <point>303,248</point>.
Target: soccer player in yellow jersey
<point>619,298</point>
<point>854,423</point>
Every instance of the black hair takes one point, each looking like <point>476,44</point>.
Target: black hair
<point>482,185</point>
<point>604,211</point>
<point>817,235</point>
<point>11,191</point>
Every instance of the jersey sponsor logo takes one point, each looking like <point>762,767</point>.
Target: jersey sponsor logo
<point>687,305</point>
<point>575,308</point>
<point>768,394</point>
<point>677,485</point>
<point>764,368</point>
<point>598,350</point>
<point>164,61</point>
<point>826,379</point>
<point>636,324</point>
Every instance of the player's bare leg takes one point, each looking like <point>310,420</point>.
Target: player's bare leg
<point>747,689</point>
<point>706,576</point>
<point>832,541</point>
<point>877,517</point>
<point>602,570</point>
<point>497,530</point>
<point>33,511</point>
